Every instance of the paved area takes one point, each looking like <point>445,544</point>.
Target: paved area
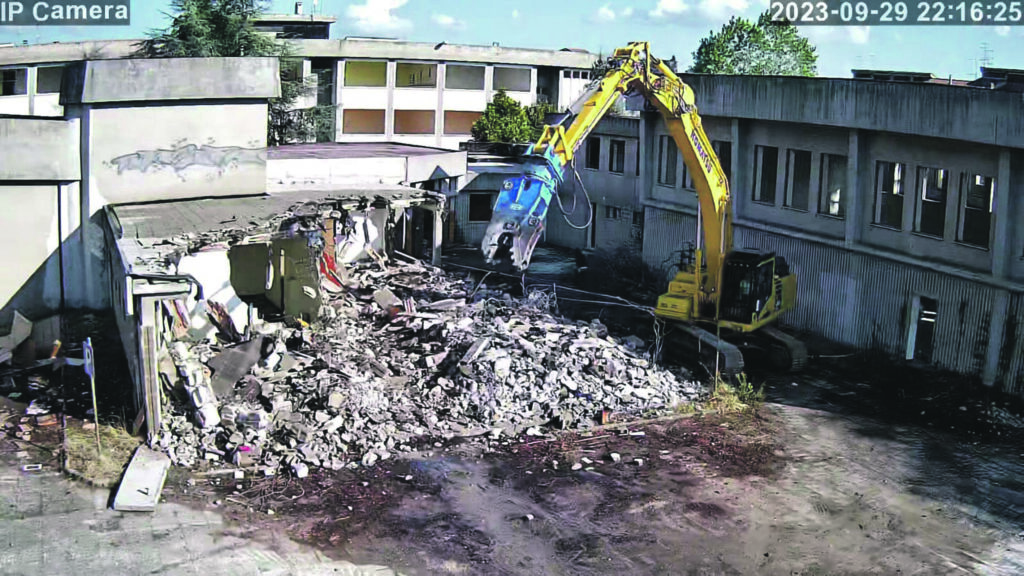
<point>52,526</point>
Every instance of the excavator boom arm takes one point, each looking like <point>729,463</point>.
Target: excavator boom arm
<point>523,202</point>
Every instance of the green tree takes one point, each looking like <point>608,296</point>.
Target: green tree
<point>536,114</point>
<point>762,47</point>
<point>223,28</point>
<point>504,120</point>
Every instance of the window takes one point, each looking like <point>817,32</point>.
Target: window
<point>363,122</point>
<point>637,167</point>
<point>617,157</point>
<point>480,207</point>
<point>724,151</point>
<point>464,77</point>
<point>593,153</point>
<point>976,194</point>
<point>566,73</point>
<point>48,79</point>
<point>833,182</point>
<point>889,194</point>
<point>924,314</point>
<point>460,122</point>
<point>638,217</point>
<point>410,75</point>
<point>612,213</point>
<point>798,179</point>
<point>931,204</point>
<point>366,73</point>
<point>14,82</point>
<point>414,121</point>
<point>668,157</point>
<point>766,171</point>
<point>512,79</point>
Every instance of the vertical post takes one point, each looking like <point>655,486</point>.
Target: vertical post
<point>438,230</point>
<point>90,368</point>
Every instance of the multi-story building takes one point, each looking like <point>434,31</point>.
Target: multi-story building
<point>894,201</point>
<point>384,90</point>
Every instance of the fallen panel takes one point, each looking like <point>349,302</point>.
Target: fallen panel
<point>143,481</point>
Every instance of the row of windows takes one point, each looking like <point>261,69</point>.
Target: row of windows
<point>935,188</point>
<point>672,172</point>
<point>14,81</point>
<point>975,193</point>
<point>366,73</point>
<point>407,122</point>
<point>616,155</point>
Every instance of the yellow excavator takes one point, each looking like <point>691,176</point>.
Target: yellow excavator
<point>725,300</point>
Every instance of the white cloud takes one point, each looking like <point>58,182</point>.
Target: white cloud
<point>515,14</point>
<point>378,16</point>
<point>1003,30</point>
<point>627,12</point>
<point>449,22</point>
<point>605,13</point>
<point>859,34</point>
<point>668,9</point>
<point>722,9</point>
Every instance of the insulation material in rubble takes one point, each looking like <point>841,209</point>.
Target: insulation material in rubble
<point>413,354</point>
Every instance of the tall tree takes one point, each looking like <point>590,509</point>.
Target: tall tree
<point>762,47</point>
<point>223,28</point>
<point>504,120</point>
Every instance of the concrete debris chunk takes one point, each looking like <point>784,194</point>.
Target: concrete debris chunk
<point>358,387</point>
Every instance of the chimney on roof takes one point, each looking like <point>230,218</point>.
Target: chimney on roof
<point>298,8</point>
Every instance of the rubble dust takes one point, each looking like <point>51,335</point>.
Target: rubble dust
<point>404,355</point>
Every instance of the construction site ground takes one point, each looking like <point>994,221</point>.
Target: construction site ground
<point>819,481</point>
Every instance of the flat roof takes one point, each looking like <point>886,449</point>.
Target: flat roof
<point>295,19</point>
<point>152,232</point>
<point>336,150</point>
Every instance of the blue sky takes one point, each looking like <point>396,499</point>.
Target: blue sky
<point>674,27</point>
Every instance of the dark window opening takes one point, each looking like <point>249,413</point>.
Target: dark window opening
<point>637,167</point>
<point>14,82</point>
<point>593,153</point>
<point>889,194</point>
<point>766,171</point>
<point>617,156</point>
<point>833,182</point>
<point>480,206</point>
<point>612,212</point>
<point>668,158</point>
<point>931,216</point>
<point>798,179</point>
<point>922,330</point>
<point>724,150</point>
<point>976,195</point>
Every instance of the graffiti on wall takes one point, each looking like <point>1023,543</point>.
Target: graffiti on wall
<point>183,156</point>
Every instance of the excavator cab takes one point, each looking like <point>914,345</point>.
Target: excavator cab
<point>755,289</point>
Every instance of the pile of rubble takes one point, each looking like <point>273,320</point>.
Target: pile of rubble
<point>404,354</point>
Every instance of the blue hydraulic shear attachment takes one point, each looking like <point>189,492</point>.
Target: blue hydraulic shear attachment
<point>519,213</point>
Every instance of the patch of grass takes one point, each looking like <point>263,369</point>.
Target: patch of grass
<point>103,469</point>
<point>739,397</point>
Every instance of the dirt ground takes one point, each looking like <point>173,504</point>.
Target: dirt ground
<point>789,490</point>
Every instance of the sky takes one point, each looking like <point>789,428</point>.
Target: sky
<point>674,27</point>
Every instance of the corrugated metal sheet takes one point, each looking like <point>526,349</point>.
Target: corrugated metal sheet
<point>665,233</point>
<point>1011,369</point>
<point>864,301</point>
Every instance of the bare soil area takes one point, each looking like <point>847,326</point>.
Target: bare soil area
<point>787,490</point>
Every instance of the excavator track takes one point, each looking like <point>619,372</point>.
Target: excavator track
<point>787,352</point>
<point>695,340</point>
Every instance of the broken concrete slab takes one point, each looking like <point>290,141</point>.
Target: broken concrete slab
<point>232,364</point>
<point>143,481</point>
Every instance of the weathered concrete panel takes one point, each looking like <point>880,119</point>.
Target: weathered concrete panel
<point>162,79</point>
<point>320,173</point>
<point>67,52</point>
<point>958,113</point>
<point>142,154</point>
<point>432,166</point>
<point>39,149</point>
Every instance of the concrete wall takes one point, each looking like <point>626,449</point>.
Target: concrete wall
<point>145,153</point>
<point>318,173</point>
<point>399,50</point>
<point>39,149</point>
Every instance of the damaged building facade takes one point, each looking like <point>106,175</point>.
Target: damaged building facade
<point>894,202</point>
